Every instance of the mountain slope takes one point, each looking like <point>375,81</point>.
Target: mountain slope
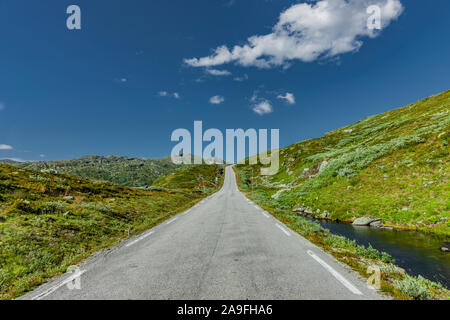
<point>126,171</point>
<point>393,166</point>
<point>49,222</point>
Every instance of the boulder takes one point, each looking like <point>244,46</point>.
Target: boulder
<point>376,224</point>
<point>69,198</point>
<point>364,221</point>
<point>446,247</point>
<point>325,215</point>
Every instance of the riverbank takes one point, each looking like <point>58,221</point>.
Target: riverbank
<point>394,280</point>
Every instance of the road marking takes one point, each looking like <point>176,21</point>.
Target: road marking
<point>336,274</point>
<point>256,207</point>
<point>170,221</point>
<point>139,239</point>
<point>265,214</point>
<point>284,230</point>
<point>54,288</point>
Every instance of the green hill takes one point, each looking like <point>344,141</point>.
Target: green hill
<point>126,171</point>
<point>49,222</point>
<point>393,166</point>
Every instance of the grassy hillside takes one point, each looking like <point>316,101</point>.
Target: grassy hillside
<point>49,222</point>
<point>393,166</point>
<point>126,171</point>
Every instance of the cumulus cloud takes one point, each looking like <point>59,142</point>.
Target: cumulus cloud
<point>216,100</point>
<point>5,147</point>
<point>288,97</point>
<point>263,107</point>
<point>219,73</point>
<point>176,95</point>
<point>306,32</point>
<point>163,93</point>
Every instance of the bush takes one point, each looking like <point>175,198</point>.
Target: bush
<point>53,207</point>
<point>415,288</point>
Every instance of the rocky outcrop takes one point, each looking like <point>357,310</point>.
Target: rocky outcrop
<point>367,221</point>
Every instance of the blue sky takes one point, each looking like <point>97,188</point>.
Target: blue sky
<point>109,88</point>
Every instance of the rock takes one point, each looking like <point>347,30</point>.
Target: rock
<point>376,224</point>
<point>364,221</point>
<point>69,198</point>
<point>325,215</point>
<point>309,211</point>
<point>68,213</point>
<point>298,209</point>
<point>323,165</point>
<point>446,247</point>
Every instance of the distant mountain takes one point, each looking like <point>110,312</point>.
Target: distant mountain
<point>126,171</point>
<point>9,161</point>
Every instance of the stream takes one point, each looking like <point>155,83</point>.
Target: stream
<point>416,252</point>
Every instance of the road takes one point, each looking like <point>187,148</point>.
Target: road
<point>225,247</point>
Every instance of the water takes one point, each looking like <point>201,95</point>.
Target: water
<point>415,252</point>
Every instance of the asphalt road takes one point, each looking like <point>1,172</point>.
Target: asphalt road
<point>225,247</point>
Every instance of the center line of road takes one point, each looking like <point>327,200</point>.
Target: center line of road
<point>284,230</point>
<point>170,221</point>
<point>336,274</point>
<point>54,288</point>
<point>139,239</point>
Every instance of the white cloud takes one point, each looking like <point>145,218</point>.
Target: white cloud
<point>289,97</point>
<point>42,155</point>
<point>306,32</point>
<point>263,107</point>
<point>5,147</point>
<point>216,100</point>
<point>240,79</point>
<point>176,95</point>
<point>219,73</point>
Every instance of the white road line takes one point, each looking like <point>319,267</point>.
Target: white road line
<point>256,207</point>
<point>265,214</point>
<point>336,274</point>
<point>284,230</point>
<point>54,288</point>
<point>170,221</point>
<point>139,239</point>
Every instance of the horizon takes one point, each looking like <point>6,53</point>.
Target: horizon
<point>168,155</point>
<point>129,77</point>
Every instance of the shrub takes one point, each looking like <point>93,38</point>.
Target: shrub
<point>53,207</point>
<point>415,288</point>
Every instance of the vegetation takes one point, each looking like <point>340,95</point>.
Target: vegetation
<point>126,171</point>
<point>49,222</point>
<point>392,166</point>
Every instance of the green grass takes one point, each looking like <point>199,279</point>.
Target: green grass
<point>393,166</point>
<point>126,171</point>
<point>50,222</point>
